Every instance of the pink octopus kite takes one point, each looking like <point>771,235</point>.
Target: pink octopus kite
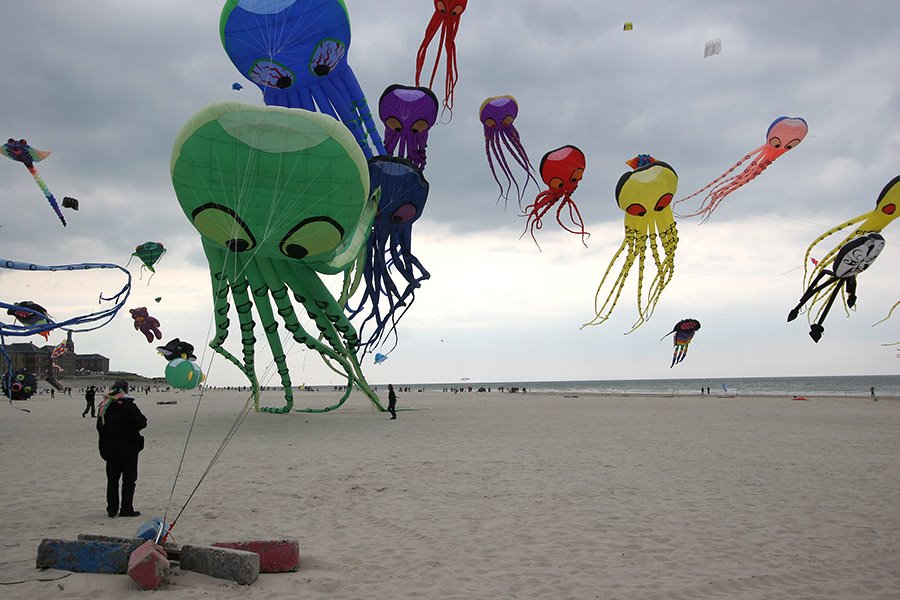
<point>783,134</point>
<point>446,16</point>
<point>562,170</point>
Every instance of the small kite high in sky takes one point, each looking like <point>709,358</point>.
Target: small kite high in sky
<point>684,331</point>
<point>784,134</point>
<point>149,253</point>
<point>20,151</point>
<point>380,358</point>
<point>446,18</point>
<point>712,48</point>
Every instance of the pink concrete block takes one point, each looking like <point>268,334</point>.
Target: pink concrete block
<point>148,565</point>
<point>275,556</point>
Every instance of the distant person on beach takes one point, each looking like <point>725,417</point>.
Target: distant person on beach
<point>89,396</point>
<point>392,401</point>
<point>118,424</point>
<point>872,391</point>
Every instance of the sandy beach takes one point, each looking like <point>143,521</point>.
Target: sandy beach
<point>485,495</point>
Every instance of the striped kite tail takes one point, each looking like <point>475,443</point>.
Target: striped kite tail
<point>47,193</point>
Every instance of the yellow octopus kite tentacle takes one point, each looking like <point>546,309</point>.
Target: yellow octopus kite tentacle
<point>890,312</point>
<point>665,268</point>
<point>602,314</point>
<point>642,260</point>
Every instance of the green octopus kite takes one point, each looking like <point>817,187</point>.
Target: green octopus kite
<point>278,196</point>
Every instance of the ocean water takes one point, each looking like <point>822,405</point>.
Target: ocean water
<point>850,386</point>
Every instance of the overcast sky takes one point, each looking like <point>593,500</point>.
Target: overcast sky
<point>107,85</point>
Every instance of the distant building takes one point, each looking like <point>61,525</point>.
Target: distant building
<point>37,360</point>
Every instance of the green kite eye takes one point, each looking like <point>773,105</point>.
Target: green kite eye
<point>222,225</point>
<point>312,236</point>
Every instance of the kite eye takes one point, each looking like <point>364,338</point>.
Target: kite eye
<point>889,209</point>
<point>10,141</point>
<point>23,142</point>
<point>775,141</point>
<point>311,237</point>
<point>394,123</point>
<point>663,202</point>
<point>792,144</point>
<point>457,10</point>
<point>557,183</point>
<point>326,56</point>
<point>404,213</point>
<point>508,120</point>
<point>20,377</point>
<point>420,126</point>
<point>636,210</point>
<point>223,226</point>
<point>440,7</point>
<point>490,122</point>
<point>577,174</point>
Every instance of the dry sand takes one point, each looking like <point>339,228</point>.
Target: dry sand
<point>486,496</point>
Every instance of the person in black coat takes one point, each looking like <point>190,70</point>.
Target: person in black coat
<point>89,396</point>
<point>392,401</point>
<point>118,424</point>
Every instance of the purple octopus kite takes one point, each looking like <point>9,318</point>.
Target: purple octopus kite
<point>497,114</point>
<point>408,114</point>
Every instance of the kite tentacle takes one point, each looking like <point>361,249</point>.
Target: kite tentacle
<point>260,294</point>
<point>603,312</point>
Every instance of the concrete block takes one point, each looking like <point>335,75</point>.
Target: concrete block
<point>83,556</point>
<point>148,566</point>
<point>115,539</point>
<point>169,547</point>
<point>237,565</point>
<point>275,556</point>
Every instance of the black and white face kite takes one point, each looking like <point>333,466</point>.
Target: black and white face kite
<point>857,255</point>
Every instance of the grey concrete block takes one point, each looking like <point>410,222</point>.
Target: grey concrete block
<point>224,563</point>
<point>83,556</point>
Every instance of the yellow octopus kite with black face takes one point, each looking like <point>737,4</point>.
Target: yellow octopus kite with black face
<point>645,195</point>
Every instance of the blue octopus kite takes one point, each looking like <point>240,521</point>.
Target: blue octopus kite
<point>404,191</point>
<point>296,52</point>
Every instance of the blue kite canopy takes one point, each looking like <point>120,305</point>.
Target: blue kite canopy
<point>296,52</point>
<point>380,358</point>
<point>404,191</point>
